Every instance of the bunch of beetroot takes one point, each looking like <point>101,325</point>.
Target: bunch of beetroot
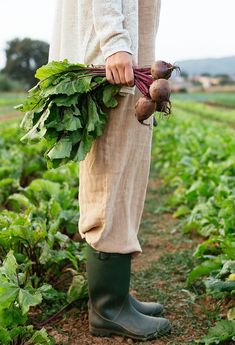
<point>67,109</point>
<point>154,85</point>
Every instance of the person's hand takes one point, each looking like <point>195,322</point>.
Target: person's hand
<point>119,69</point>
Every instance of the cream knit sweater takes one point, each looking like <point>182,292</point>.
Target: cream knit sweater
<point>88,31</point>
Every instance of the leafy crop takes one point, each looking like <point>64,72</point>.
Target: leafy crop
<point>207,112</point>
<point>38,219</point>
<point>221,332</point>
<point>222,99</point>
<point>67,110</point>
<point>195,157</point>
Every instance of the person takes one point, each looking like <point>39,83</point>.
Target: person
<point>114,175</point>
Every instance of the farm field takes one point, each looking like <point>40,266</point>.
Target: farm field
<point>7,103</point>
<point>187,232</point>
<point>223,99</point>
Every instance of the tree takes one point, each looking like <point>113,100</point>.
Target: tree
<point>23,57</point>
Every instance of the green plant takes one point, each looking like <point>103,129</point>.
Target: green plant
<point>16,297</point>
<point>195,158</point>
<point>223,331</point>
<point>39,215</point>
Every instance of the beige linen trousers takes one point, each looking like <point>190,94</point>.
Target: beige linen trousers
<point>114,174</point>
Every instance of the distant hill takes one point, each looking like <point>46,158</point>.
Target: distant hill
<point>213,66</point>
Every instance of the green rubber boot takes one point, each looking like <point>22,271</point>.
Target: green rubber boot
<point>147,308</point>
<point>111,311</point>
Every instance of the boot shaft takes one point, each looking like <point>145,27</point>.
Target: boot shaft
<point>108,280</point>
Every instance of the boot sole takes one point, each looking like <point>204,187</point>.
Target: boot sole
<point>101,332</point>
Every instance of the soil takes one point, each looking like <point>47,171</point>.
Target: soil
<point>158,274</point>
<point>9,116</point>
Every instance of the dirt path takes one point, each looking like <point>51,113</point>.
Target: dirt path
<point>158,274</point>
<point>10,116</point>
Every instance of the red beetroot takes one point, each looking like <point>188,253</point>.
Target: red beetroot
<point>160,90</point>
<point>162,70</point>
<point>144,108</point>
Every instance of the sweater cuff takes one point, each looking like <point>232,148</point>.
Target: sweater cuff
<point>120,47</point>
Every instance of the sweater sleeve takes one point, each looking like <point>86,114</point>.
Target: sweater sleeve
<point>108,22</point>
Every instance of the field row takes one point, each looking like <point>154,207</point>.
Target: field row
<point>195,158</point>
<point>225,99</point>
<point>39,215</point>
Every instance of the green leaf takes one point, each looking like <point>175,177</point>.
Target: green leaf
<point>69,87</point>
<point>46,254</point>
<point>223,330</point>
<point>55,67</point>
<point>5,336</point>
<point>12,317</point>
<point>231,314</point>
<point>27,121</point>
<point>181,211</point>
<point>28,299</point>
<point>61,149</point>
<point>6,182</point>
<point>51,68</point>
<point>42,187</point>
<point>204,269</point>
<point>217,285</point>
<point>33,103</point>
<point>76,136</point>
<point>9,265</point>
<point>228,267</point>
<point>93,116</point>
<point>38,130</point>
<point>18,202</point>
<point>21,331</point>
<point>8,293</point>
<point>69,122</point>
<point>62,239</point>
<point>109,93</point>
<point>41,338</point>
<point>66,101</point>
<point>205,246</point>
<point>54,209</point>
<point>84,147</point>
<point>77,289</point>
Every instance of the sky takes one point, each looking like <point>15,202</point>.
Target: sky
<point>188,29</point>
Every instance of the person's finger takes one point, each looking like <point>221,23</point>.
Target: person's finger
<point>109,76</point>
<point>116,76</point>
<point>121,73</point>
<point>129,76</point>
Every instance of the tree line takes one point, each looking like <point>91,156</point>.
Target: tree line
<point>23,57</point>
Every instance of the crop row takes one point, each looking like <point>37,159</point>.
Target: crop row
<point>195,158</point>
<point>207,112</point>
<point>38,220</point>
<point>225,99</point>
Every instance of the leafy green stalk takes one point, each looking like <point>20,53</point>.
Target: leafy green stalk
<point>65,110</point>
